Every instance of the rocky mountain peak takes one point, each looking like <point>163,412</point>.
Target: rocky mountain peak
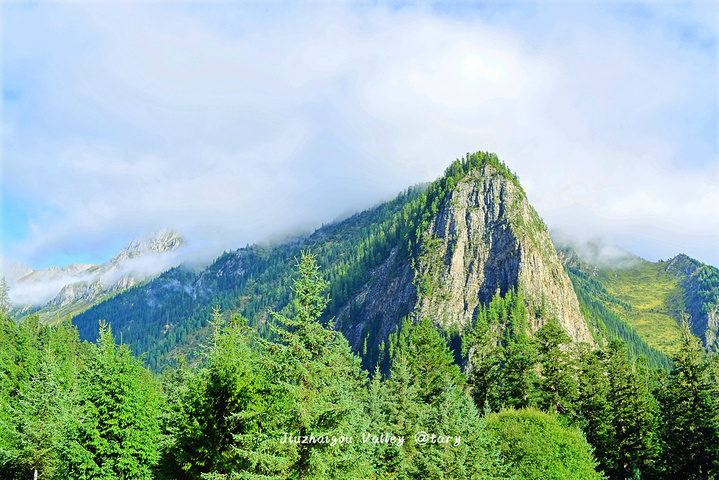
<point>485,239</point>
<point>161,241</point>
<point>482,238</point>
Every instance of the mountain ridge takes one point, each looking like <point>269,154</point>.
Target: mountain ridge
<point>392,244</point>
<point>56,292</point>
<point>650,297</point>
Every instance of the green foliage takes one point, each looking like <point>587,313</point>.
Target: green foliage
<point>594,303</point>
<point>316,383</point>
<point>631,443</point>
<point>691,413</point>
<point>556,385</point>
<point>115,432</point>
<point>213,405</point>
<point>538,446</point>
<point>424,394</point>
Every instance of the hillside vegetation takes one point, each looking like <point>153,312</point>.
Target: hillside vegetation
<point>643,302</point>
<point>299,406</point>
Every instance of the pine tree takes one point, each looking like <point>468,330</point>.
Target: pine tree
<point>399,410</point>
<point>212,405</point>
<point>317,387</point>
<point>519,377</point>
<point>556,387</point>
<point>594,407</point>
<point>472,452</point>
<point>430,361</point>
<point>485,367</point>
<point>690,412</point>
<point>633,444</point>
<point>38,417</point>
<point>116,431</point>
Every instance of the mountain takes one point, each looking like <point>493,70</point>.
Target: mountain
<point>12,270</point>
<point>439,251</point>
<point>483,238</point>
<point>56,292</point>
<point>650,298</point>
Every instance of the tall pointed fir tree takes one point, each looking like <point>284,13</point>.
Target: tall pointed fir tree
<point>594,408</point>
<point>116,431</point>
<point>213,406</point>
<point>317,390</point>
<point>556,387</point>
<point>690,412</point>
<point>633,444</point>
<point>38,417</point>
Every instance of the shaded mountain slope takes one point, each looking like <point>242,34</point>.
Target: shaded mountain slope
<point>439,252</point>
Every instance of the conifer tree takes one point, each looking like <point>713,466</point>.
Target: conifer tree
<point>556,387</point>
<point>633,443</point>
<point>690,412</point>
<point>397,408</point>
<point>317,388</point>
<point>485,367</point>
<point>115,433</point>
<point>473,451</point>
<point>430,361</point>
<point>38,417</point>
<point>519,376</point>
<point>594,407</point>
<point>212,405</point>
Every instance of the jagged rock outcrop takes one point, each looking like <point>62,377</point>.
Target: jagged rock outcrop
<point>485,238</point>
<point>131,265</point>
<point>388,296</point>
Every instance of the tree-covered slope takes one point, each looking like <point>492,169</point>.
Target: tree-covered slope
<point>643,302</point>
<point>471,232</point>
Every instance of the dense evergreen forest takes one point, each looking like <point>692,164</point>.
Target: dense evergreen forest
<point>297,404</point>
<point>164,317</point>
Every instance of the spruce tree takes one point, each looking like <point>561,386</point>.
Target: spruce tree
<point>594,408</point>
<point>213,403</point>
<point>633,443</point>
<point>690,412</point>
<point>484,367</point>
<point>472,451</point>
<point>519,376</point>
<point>38,417</point>
<point>317,390</point>
<point>557,386</point>
<point>115,432</point>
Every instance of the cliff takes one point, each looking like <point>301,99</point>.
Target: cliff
<point>485,238</point>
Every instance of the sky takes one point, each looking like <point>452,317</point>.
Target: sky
<point>242,122</point>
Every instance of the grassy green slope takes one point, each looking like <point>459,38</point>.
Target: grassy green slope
<point>643,302</point>
<point>651,301</point>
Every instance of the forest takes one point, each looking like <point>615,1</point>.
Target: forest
<point>495,401</point>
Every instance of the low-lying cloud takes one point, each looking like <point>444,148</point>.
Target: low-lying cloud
<point>232,125</point>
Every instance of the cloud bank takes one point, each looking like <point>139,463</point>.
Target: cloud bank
<point>233,123</point>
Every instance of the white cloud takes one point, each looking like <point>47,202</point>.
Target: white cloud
<point>232,126</point>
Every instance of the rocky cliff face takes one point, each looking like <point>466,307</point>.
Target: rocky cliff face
<point>134,263</point>
<point>485,238</point>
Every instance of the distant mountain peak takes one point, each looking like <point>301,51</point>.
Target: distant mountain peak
<point>68,289</point>
<point>160,241</point>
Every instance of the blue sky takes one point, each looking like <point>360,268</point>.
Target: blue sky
<point>235,123</point>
